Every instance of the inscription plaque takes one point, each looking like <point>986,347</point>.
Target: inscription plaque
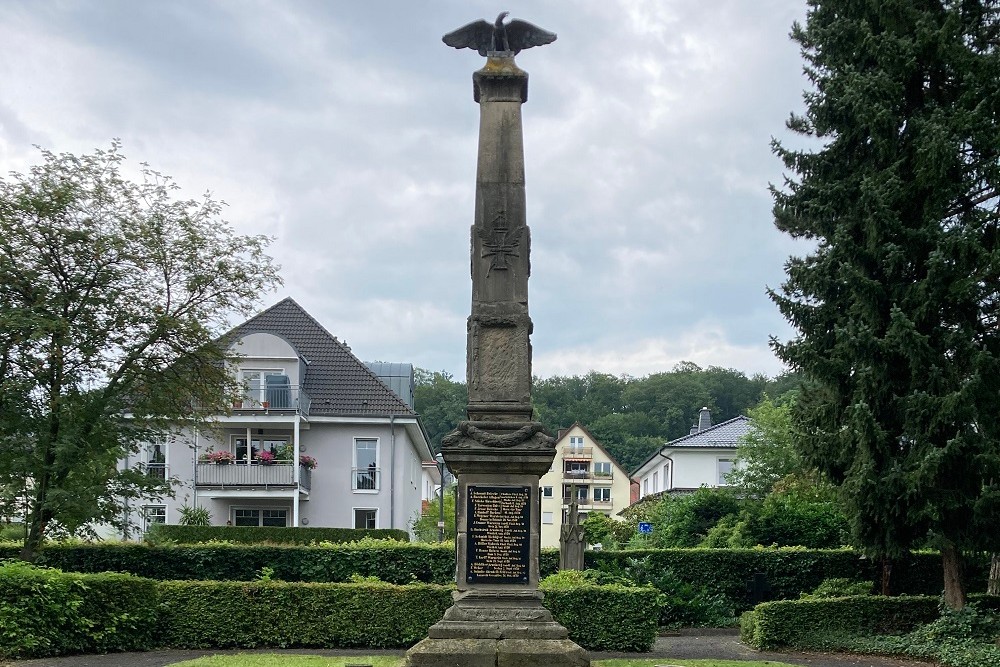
<point>499,534</point>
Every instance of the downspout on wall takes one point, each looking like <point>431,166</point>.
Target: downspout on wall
<point>392,474</point>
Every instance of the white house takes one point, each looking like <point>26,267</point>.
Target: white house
<point>306,399</point>
<point>701,458</point>
<point>583,469</point>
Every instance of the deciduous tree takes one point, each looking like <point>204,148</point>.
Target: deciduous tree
<point>111,295</point>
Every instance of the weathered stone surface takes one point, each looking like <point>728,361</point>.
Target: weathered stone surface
<point>535,653</point>
<point>453,653</point>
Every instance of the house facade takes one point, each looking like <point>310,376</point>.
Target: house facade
<point>582,469</point>
<point>702,458</point>
<point>316,439</point>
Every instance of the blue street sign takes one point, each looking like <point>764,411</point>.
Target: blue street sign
<point>645,527</point>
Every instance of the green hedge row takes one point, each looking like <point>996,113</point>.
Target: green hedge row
<point>212,614</point>
<point>790,571</point>
<point>268,534</point>
<point>724,572</point>
<point>607,618</point>
<point>825,623</point>
<point>47,612</point>
<point>394,562</point>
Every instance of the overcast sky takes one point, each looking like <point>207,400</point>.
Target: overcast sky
<point>347,131</point>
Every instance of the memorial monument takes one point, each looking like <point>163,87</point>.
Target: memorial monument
<point>499,453</point>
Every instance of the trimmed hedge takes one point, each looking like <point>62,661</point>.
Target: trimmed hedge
<point>210,614</point>
<point>826,623</point>
<point>268,534</point>
<point>393,562</point>
<point>46,612</point>
<point>790,571</point>
<point>606,618</point>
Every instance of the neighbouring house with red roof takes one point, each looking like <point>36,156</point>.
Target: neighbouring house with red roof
<point>318,437</point>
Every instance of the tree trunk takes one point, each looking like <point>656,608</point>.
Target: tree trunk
<point>886,576</point>
<point>993,585</point>
<point>36,533</point>
<point>951,562</point>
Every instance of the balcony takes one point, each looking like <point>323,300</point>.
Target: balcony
<point>275,399</point>
<point>261,476</point>
<point>584,453</point>
<point>603,475</point>
<point>596,502</point>
<point>577,474</point>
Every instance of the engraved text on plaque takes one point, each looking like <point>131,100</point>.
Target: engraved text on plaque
<point>499,534</point>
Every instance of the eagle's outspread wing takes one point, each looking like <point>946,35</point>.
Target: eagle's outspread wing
<point>477,35</point>
<point>523,35</point>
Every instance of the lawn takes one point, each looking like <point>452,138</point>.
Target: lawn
<point>285,660</point>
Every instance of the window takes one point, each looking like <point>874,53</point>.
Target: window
<point>153,514</point>
<point>576,442</point>
<point>366,473</point>
<point>156,460</point>
<point>277,445</point>
<point>547,517</point>
<point>602,494</point>
<point>245,516</point>
<point>579,469</point>
<point>255,382</point>
<point>602,469</point>
<point>581,493</point>
<point>656,482</point>
<point>546,492</point>
<point>365,518</point>
<point>725,467</point>
<point>645,487</point>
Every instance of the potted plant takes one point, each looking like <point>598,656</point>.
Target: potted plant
<point>307,461</point>
<point>223,457</point>
<point>266,457</point>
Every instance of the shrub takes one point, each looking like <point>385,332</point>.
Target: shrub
<point>611,617</point>
<point>225,614</point>
<point>839,587</point>
<point>45,612</point>
<point>198,533</point>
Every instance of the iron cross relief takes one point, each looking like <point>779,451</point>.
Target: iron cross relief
<point>500,242</point>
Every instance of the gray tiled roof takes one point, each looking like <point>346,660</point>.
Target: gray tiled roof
<point>336,381</point>
<point>724,434</point>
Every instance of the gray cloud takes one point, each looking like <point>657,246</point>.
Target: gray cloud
<point>348,132</point>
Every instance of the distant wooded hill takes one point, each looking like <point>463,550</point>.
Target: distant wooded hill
<point>630,416</point>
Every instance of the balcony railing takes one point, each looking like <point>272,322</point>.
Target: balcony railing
<point>578,452</point>
<point>577,474</point>
<point>600,501</point>
<point>282,398</point>
<point>365,479</point>
<point>598,474</point>
<point>156,470</point>
<point>256,475</point>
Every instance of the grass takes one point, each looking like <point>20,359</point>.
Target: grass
<point>285,660</point>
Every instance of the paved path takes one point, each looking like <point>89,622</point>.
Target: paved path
<point>688,644</point>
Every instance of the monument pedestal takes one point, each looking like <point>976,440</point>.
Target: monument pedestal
<point>497,617</point>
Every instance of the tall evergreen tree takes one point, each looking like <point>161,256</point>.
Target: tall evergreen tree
<point>897,306</point>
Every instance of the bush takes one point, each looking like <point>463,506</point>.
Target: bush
<point>394,562</point>
<point>612,617</point>
<point>215,614</point>
<point>45,612</point>
<point>964,638</point>
<point>199,534</point>
<point>839,588</point>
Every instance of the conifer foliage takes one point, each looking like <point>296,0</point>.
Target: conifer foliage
<point>897,305</point>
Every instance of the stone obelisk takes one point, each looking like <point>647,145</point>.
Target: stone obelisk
<point>499,453</point>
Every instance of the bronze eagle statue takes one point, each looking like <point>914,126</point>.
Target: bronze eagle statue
<point>511,37</point>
